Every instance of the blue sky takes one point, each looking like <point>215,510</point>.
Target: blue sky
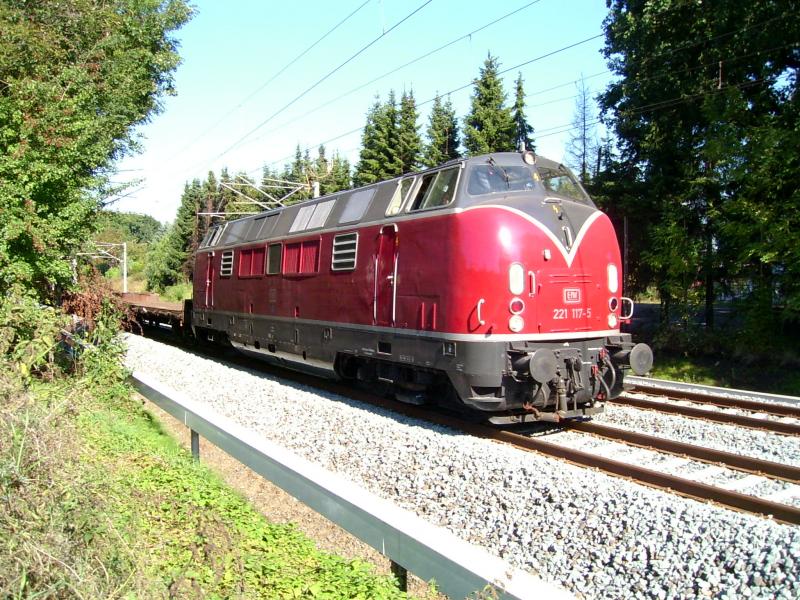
<point>226,85</point>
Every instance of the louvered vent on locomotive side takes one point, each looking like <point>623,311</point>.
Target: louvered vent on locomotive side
<point>345,249</point>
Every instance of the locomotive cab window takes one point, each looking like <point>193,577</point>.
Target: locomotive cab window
<point>403,187</point>
<point>491,177</point>
<point>216,235</point>
<point>274,259</point>
<point>435,189</point>
<point>560,181</point>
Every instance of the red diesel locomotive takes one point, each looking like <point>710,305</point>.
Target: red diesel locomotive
<point>491,283</point>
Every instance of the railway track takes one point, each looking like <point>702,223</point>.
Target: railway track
<point>651,477</point>
<point>768,412</point>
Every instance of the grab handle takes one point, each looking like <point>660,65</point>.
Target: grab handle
<point>481,302</point>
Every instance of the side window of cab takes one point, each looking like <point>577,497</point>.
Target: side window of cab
<point>400,194</point>
<point>435,189</point>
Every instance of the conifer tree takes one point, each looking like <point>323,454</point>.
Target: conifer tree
<point>170,262</point>
<point>409,141</point>
<point>339,177</point>
<point>443,136</point>
<point>379,158</point>
<point>226,195</point>
<point>369,158</point>
<point>208,203</point>
<point>489,126</point>
<point>522,129</point>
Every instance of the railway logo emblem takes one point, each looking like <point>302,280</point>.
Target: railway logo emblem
<point>572,295</point>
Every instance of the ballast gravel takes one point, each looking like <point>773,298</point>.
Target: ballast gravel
<point>764,445</point>
<point>598,536</point>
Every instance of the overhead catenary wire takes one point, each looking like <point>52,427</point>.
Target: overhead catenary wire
<point>273,77</point>
<point>323,78</point>
<point>520,65</point>
<point>540,133</point>
<point>466,36</point>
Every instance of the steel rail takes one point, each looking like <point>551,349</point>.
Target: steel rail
<point>707,390</point>
<point>678,485</point>
<point>780,410</point>
<point>709,415</point>
<point>748,464</point>
<point>684,487</point>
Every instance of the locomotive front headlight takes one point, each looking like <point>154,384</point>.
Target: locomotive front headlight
<point>516,323</point>
<point>613,278</point>
<point>516,306</point>
<point>612,321</point>
<point>516,279</point>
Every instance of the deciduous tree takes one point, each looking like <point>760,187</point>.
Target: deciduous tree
<point>76,77</point>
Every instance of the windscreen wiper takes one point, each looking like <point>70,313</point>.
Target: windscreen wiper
<point>492,162</point>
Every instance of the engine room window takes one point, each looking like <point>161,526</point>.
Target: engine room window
<point>321,212</point>
<point>357,204</point>
<point>301,218</point>
<point>403,186</point>
<point>301,258</point>
<point>226,264</point>
<point>436,189</point>
<point>489,178</point>
<point>345,249</point>
<point>251,262</point>
<point>235,231</point>
<point>274,259</point>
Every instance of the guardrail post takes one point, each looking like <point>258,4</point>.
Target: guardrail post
<point>401,574</point>
<point>195,445</point>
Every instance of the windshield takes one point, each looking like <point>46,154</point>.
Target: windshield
<point>488,178</point>
<point>560,181</point>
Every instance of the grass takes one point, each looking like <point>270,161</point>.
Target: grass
<point>177,292</point>
<point>96,501</point>
<point>725,372</point>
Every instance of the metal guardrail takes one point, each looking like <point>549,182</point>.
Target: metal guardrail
<point>459,569</point>
<point>682,386</point>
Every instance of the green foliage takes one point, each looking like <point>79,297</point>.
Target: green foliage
<point>165,261</point>
<point>113,226</point>
<point>177,292</point>
<point>29,335</point>
<point>705,109</point>
<point>727,372</point>
<point>332,174</point>
<point>75,78</point>
<point>522,129</point>
<point>193,533</point>
<point>489,126</point>
<point>379,158</point>
<point>170,260</point>
<point>443,134</point>
<point>408,140</point>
